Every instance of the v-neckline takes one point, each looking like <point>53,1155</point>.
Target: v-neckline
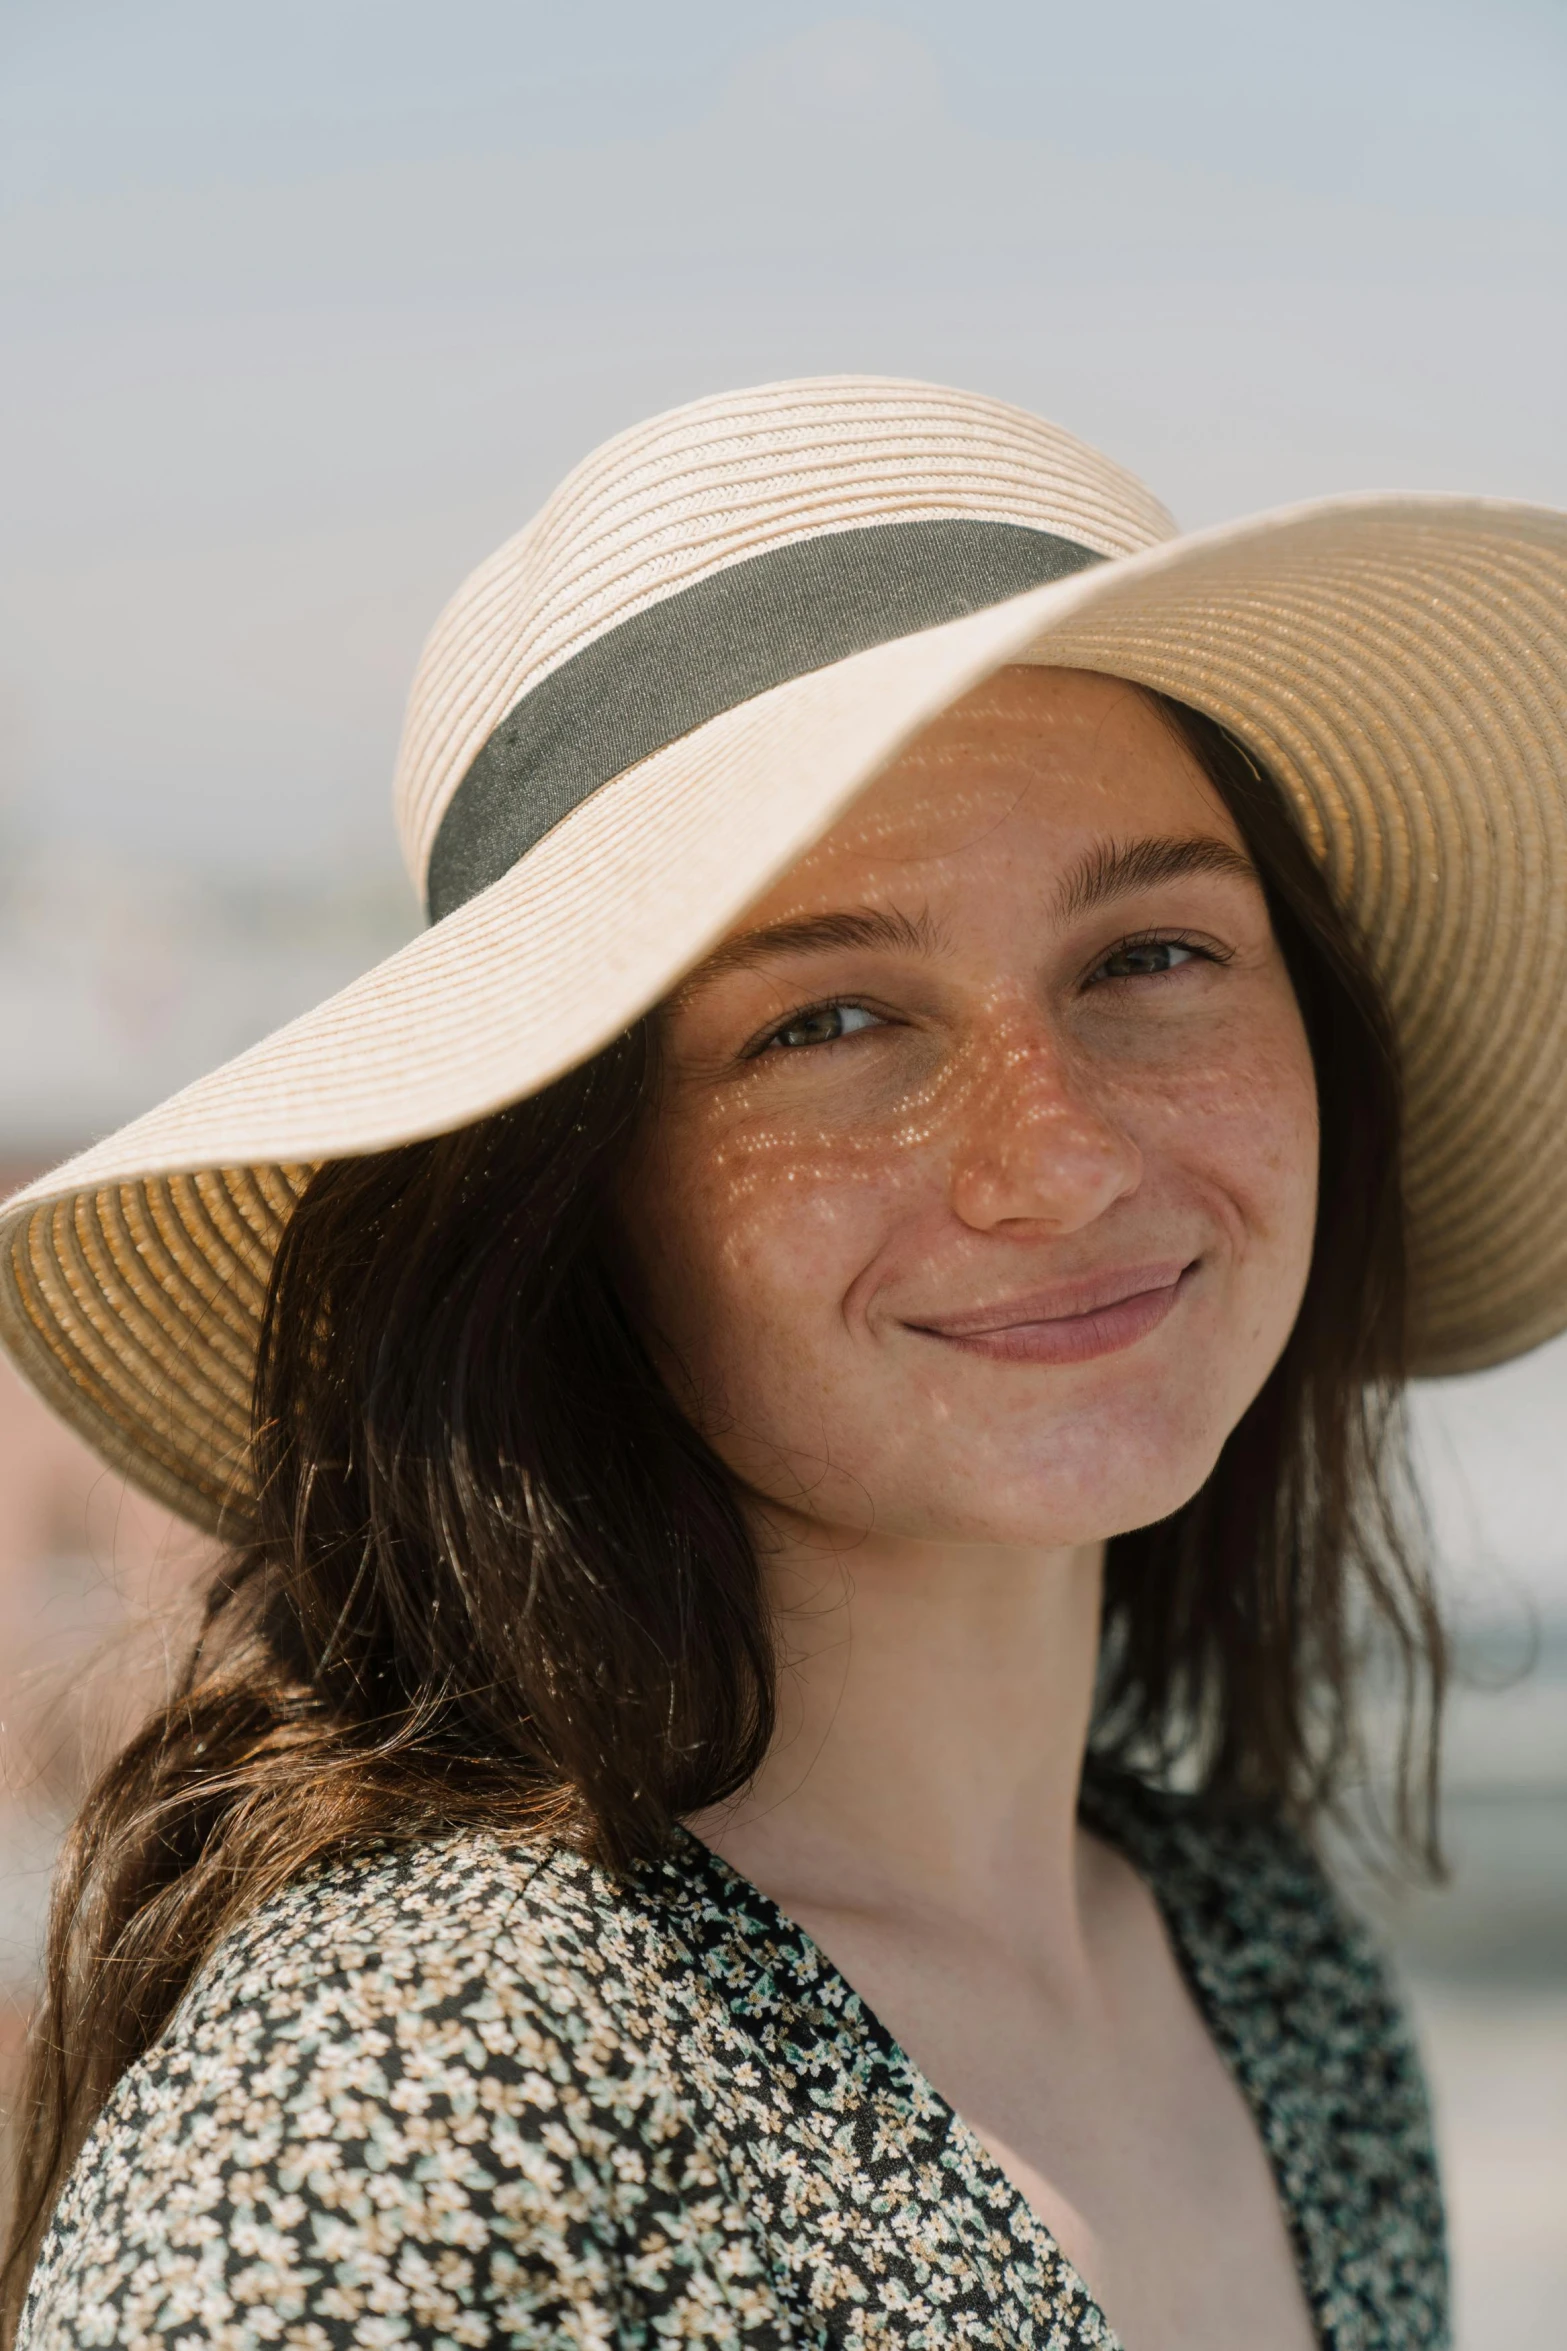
<point>817,1979</point>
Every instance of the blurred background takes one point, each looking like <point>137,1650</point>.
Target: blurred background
<point>308,305</point>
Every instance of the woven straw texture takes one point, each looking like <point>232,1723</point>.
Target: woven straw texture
<point>1399,662</point>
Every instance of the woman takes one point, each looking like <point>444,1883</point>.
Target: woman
<point>803,1397</point>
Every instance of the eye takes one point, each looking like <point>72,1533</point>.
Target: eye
<point>1146,959</point>
<point>822,1024</point>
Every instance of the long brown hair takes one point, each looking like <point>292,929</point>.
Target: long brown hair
<point>496,1577</point>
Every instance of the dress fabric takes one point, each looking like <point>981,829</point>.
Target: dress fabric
<point>475,2093</point>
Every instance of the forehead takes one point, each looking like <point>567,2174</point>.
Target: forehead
<point>1033,766</point>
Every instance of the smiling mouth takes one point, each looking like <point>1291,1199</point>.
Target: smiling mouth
<point>1072,1323</point>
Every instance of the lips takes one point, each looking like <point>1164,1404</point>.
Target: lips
<point>1097,1314</point>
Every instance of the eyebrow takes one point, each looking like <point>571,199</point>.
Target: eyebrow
<point>869,926</point>
<point>1110,869</point>
<point>1113,869</point>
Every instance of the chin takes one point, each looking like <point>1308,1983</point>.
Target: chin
<point>1045,1504</point>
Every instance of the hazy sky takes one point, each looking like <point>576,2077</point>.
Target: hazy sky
<point>310,303</point>
<point>307,305</point>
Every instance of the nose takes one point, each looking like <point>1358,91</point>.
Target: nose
<point>1032,1144</point>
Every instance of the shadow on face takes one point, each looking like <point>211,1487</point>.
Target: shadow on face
<point>978,1200</point>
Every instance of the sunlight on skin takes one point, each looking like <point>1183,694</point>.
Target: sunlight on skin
<point>975,1207</point>
<point>1004,1124</point>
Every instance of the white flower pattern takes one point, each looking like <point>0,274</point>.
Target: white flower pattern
<point>476,2094</point>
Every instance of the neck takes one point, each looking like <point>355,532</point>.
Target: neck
<point>933,1710</point>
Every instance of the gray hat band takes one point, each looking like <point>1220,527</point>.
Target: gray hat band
<point>706,649</point>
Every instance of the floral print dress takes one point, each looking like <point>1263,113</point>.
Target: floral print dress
<point>475,2093</point>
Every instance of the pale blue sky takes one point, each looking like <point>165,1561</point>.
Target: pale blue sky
<point>308,305</point>
<point>1384,98</point>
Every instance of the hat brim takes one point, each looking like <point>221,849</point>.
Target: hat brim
<point>1399,662</point>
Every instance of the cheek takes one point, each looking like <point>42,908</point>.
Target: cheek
<point>1243,1131</point>
<point>746,1248</point>
<point>1272,1141</point>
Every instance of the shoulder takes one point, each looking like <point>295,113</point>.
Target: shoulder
<point>414,2086</point>
<point>1252,1904</point>
<point>1303,2003</point>
<point>445,1960</point>
<point>402,1933</point>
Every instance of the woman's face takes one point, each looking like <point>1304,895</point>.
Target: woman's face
<point>979,1197</point>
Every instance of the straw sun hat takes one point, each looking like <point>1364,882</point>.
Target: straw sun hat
<point>657,695</point>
